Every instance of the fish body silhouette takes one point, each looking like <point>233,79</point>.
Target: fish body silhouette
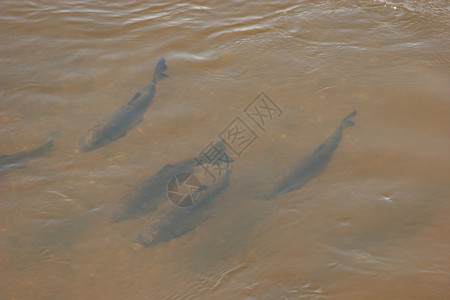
<point>311,167</point>
<point>125,118</point>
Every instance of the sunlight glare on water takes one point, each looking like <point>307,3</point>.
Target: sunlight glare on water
<point>372,225</point>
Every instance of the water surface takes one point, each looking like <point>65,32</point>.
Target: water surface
<point>374,225</point>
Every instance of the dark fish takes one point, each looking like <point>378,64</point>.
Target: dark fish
<point>7,160</point>
<point>150,193</point>
<point>173,221</point>
<point>311,167</point>
<point>153,191</point>
<point>125,118</point>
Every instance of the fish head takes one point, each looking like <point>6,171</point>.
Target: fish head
<point>144,239</point>
<point>93,139</point>
<point>87,142</point>
<point>158,233</point>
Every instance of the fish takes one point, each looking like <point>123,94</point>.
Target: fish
<point>129,115</point>
<point>153,191</point>
<point>172,221</point>
<point>150,193</point>
<point>311,167</point>
<point>8,160</point>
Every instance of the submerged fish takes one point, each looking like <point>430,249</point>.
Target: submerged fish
<point>153,191</point>
<point>128,116</point>
<point>311,167</point>
<point>173,221</point>
<point>7,160</point>
<point>150,193</point>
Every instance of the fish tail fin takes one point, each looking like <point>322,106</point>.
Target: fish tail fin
<point>222,145</point>
<point>52,136</point>
<point>159,70</point>
<point>48,146</point>
<point>347,121</point>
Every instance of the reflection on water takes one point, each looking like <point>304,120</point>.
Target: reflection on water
<point>373,225</point>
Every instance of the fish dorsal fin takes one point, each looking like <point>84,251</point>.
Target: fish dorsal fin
<point>134,98</point>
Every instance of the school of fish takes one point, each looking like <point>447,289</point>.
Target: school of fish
<point>168,220</point>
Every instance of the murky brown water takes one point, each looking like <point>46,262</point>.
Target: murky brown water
<point>374,225</point>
